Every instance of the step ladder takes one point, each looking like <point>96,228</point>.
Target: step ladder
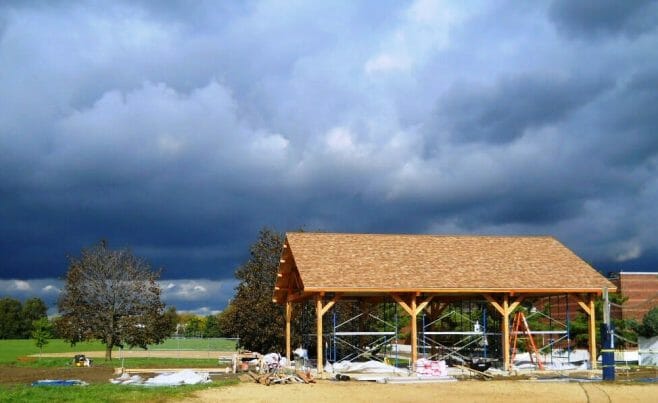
<point>520,320</point>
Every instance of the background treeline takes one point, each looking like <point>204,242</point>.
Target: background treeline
<point>16,318</point>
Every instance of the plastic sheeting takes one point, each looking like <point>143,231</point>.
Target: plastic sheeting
<point>425,367</point>
<point>184,377</point>
<point>559,360</point>
<point>648,354</point>
<point>368,367</point>
<point>59,382</point>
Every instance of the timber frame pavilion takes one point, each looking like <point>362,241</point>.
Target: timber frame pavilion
<point>419,270</point>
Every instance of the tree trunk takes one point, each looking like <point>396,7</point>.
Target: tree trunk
<point>108,352</point>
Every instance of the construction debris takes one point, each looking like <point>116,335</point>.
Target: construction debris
<point>272,368</point>
<point>183,377</point>
<point>281,377</point>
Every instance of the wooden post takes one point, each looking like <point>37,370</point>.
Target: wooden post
<point>414,332</point>
<point>592,332</point>
<point>506,338</point>
<point>505,310</point>
<point>318,320</point>
<point>588,307</point>
<point>288,320</point>
<point>413,311</point>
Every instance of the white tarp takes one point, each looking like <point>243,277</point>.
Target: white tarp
<point>183,377</point>
<point>369,367</point>
<point>559,360</point>
<point>648,354</point>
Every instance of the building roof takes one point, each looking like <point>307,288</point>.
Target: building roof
<point>369,263</point>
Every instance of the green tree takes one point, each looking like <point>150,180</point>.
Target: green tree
<point>580,325</point>
<point>33,309</point>
<point>170,321</point>
<point>194,327</point>
<point>10,319</point>
<point>112,296</point>
<point>212,327</point>
<point>251,314</point>
<point>41,332</point>
<point>649,326</point>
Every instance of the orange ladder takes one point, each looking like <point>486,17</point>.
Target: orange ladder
<point>519,318</point>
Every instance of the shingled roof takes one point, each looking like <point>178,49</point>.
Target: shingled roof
<point>380,263</point>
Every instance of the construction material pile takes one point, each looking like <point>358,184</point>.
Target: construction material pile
<point>184,377</point>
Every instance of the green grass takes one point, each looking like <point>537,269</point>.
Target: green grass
<point>145,362</point>
<point>132,362</point>
<point>196,344</point>
<point>11,350</point>
<point>101,393</point>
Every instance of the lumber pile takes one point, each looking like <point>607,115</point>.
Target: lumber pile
<point>280,377</point>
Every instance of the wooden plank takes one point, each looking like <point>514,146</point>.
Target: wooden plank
<point>330,304</point>
<point>423,304</point>
<point>505,329</point>
<point>495,304</point>
<point>592,331</point>
<point>318,319</point>
<point>475,371</point>
<point>516,303</point>
<point>414,332</point>
<point>288,338</point>
<point>440,291</point>
<point>583,305</point>
<point>402,303</point>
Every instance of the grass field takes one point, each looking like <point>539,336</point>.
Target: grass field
<point>100,393</point>
<point>11,350</point>
<point>15,355</point>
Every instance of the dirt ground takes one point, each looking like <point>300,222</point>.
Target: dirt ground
<point>10,375</point>
<point>462,391</point>
<point>25,375</point>
<point>354,391</point>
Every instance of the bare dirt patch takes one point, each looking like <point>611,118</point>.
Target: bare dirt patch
<point>462,391</point>
<point>26,375</point>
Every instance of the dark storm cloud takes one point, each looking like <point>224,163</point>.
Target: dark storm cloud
<point>502,113</point>
<point>633,119</point>
<point>180,129</point>
<point>596,17</point>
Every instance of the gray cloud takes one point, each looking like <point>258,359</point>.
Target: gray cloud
<point>514,104</point>
<point>179,130</point>
<point>597,17</point>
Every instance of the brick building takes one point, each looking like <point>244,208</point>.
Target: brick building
<point>641,289</point>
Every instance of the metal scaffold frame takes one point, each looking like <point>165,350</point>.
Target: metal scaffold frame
<point>458,345</point>
<point>350,341</point>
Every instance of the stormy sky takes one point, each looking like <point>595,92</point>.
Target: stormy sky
<point>179,129</point>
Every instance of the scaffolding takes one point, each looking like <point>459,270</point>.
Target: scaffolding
<point>364,335</point>
<point>460,335</point>
<point>463,332</point>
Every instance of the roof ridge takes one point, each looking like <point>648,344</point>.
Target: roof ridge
<point>422,235</point>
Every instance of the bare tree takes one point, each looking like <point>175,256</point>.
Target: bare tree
<point>114,297</point>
